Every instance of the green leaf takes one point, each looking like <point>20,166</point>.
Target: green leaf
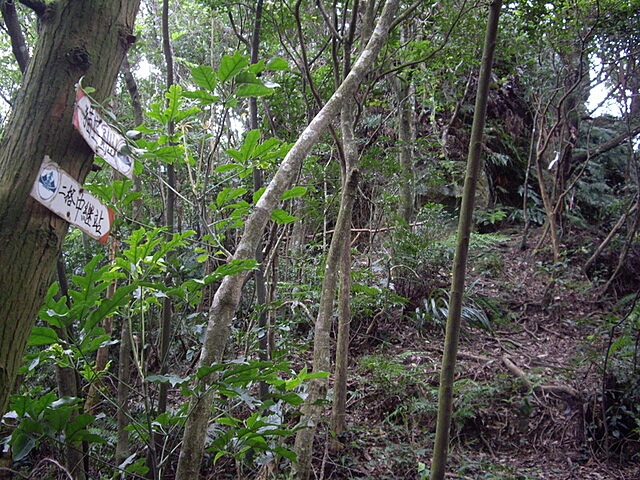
<point>293,193</point>
<point>43,336</point>
<point>232,66</point>
<point>264,149</point>
<point>21,445</point>
<point>204,77</point>
<point>173,380</point>
<point>258,194</point>
<point>281,217</point>
<point>250,143</point>
<point>58,418</point>
<point>156,112</point>
<point>228,167</point>
<point>78,425</point>
<point>257,68</point>
<point>277,63</point>
<point>253,90</point>
<point>229,421</point>
<point>229,194</point>
<point>182,114</point>
<point>20,404</point>
<point>109,306</point>
<point>248,77</point>
<point>174,95</point>
<point>286,453</point>
<point>205,97</point>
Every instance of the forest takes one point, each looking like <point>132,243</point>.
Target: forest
<point>375,239</point>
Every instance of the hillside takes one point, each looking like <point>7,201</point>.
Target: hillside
<point>529,394</point>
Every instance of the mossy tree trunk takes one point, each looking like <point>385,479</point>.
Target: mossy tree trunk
<point>77,39</point>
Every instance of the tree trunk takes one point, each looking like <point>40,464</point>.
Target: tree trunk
<point>155,453</point>
<point>67,380</point>
<point>124,353</point>
<point>258,183</point>
<point>227,296</point>
<point>77,39</point>
<point>406,135</point>
<point>312,410</point>
<point>350,147</point>
<point>445,394</point>
<point>317,388</point>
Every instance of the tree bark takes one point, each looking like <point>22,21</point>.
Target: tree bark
<point>445,394</point>
<point>227,296</point>
<point>406,135</point>
<point>317,388</point>
<point>78,39</point>
<point>338,409</point>
<point>340,240</point>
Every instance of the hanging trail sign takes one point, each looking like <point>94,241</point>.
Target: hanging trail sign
<point>59,192</point>
<point>103,139</point>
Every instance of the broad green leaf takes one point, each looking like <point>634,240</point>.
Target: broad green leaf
<point>293,193</point>
<point>78,425</point>
<point>174,96</point>
<point>20,404</point>
<point>281,217</point>
<point>286,453</point>
<point>229,194</point>
<point>205,97</point>
<point>169,153</point>
<point>236,155</point>
<point>268,146</point>
<point>204,77</point>
<point>250,143</point>
<point>227,167</point>
<point>108,306</point>
<point>258,194</point>
<point>43,336</point>
<point>157,112</point>
<point>208,370</point>
<point>59,418</point>
<point>234,267</point>
<point>231,66</point>
<point>277,63</point>
<point>182,114</point>
<point>173,380</point>
<point>253,90</point>
<point>229,421</point>
<point>65,402</point>
<point>257,68</point>
<point>21,445</point>
<point>248,77</point>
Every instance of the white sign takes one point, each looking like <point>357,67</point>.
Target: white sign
<point>59,192</point>
<point>105,141</point>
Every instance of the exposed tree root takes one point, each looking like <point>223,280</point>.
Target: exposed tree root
<point>557,390</point>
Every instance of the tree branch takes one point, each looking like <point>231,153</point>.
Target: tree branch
<point>38,6</point>
<point>18,43</point>
<point>606,146</point>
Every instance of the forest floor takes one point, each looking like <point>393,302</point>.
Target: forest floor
<point>529,391</point>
